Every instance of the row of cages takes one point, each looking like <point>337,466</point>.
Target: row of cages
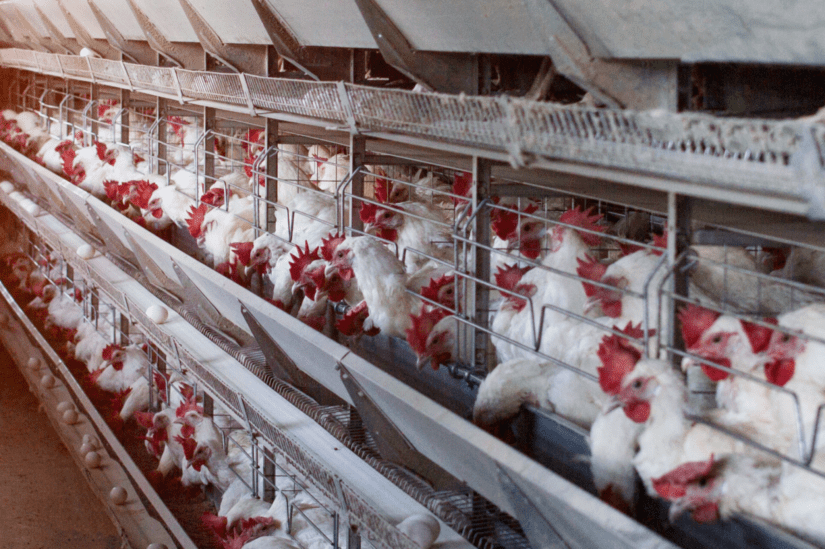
<point>541,299</point>
<point>154,387</point>
<point>718,150</point>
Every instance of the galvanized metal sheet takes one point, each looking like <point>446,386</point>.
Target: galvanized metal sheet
<point>121,15</point>
<point>330,23</point>
<point>167,16</point>
<point>52,11</point>
<point>478,26</point>
<point>312,352</point>
<point>236,21</point>
<point>722,30</point>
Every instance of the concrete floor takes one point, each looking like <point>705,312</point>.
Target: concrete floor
<point>45,503</point>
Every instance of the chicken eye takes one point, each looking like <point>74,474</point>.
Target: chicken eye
<point>786,338</point>
<point>637,384</point>
<point>717,339</point>
<point>703,482</point>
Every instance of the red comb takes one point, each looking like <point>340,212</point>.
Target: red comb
<point>352,322</point>
<point>195,219</point>
<point>330,243</point>
<point>367,212</point>
<point>505,221</point>
<point>253,137</point>
<point>584,220</point>
<point>243,251</point>
<point>758,336</point>
<point>101,150</point>
<point>109,351</point>
<point>432,290</point>
<point>381,190</point>
<point>590,269</point>
<point>189,445</point>
<point>298,263</point>
<point>143,192</point>
<point>186,391</point>
<point>695,320</point>
<point>422,325</point>
<point>111,188</point>
<point>160,382</point>
<point>145,419</point>
<point>673,485</point>
<point>462,185</point>
<point>508,276</point>
<point>191,405</point>
<point>618,358</point>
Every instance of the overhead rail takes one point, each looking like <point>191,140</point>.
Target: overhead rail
<point>777,165</point>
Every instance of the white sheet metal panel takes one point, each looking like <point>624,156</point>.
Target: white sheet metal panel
<point>52,11</point>
<point>9,15</point>
<point>26,8</point>
<point>167,16</point>
<point>477,26</point>
<point>235,21</point>
<point>121,15</point>
<point>761,31</point>
<point>331,23</point>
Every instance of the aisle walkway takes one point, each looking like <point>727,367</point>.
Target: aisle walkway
<point>45,503</point>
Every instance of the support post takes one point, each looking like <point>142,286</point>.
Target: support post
<point>125,103</point>
<point>357,150</point>
<point>269,490</point>
<point>124,329</point>
<point>478,295</point>
<point>209,126</point>
<point>94,95</point>
<point>160,111</point>
<point>271,171</point>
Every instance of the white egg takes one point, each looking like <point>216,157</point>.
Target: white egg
<point>6,187</point>
<point>118,495</point>
<point>65,405</point>
<point>17,195</point>
<point>86,251</point>
<point>85,448</point>
<point>32,208</point>
<point>70,417</point>
<point>157,314</point>
<point>422,529</point>
<point>91,441</point>
<point>48,381</point>
<point>34,363</point>
<point>156,546</point>
<point>92,460</point>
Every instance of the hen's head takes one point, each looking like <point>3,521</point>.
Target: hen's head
<point>341,261</point>
<point>432,337</point>
<point>382,222</point>
<point>352,323</point>
<point>581,219</point>
<point>618,356</point>
<point>441,290</point>
<point>725,341</point>
<point>522,232</point>
<point>783,349</point>
<point>694,487</point>
<point>243,251</point>
<point>516,295</point>
<point>189,412</point>
<point>462,185</point>
<point>608,300</point>
<point>639,386</point>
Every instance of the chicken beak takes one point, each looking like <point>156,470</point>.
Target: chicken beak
<point>370,228</point>
<point>422,361</point>
<point>179,421</point>
<point>614,402</point>
<point>330,269</point>
<point>590,305</point>
<point>687,363</point>
<point>677,509</point>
